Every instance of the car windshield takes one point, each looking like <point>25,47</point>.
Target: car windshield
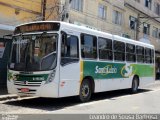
<point>34,52</point>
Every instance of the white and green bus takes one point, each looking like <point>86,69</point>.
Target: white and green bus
<point>56,59</point>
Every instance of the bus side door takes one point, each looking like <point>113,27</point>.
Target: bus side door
<point>69,64</point>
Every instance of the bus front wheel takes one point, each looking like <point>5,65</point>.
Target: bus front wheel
<point>85,91</point>
<point>135,84</point>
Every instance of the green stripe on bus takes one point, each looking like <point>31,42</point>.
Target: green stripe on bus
<point>108,70</point>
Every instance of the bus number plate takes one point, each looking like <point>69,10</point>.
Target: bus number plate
<point>24,90</point>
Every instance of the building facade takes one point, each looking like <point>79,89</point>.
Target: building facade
<point>14,12</point>
<point>147,22</point>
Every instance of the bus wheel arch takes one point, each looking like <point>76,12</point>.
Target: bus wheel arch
<point>86,89</point>
<point>91,80</point>
<point>135,84</point>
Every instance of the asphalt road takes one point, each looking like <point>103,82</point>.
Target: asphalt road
<point>147,100</point>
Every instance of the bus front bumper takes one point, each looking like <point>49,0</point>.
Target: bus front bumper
<point>49,90</point>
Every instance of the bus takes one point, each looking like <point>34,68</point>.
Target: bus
<point>55,59</point>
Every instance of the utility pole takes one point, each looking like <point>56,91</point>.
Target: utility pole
<point>137,27</point>
<point>43,10</point>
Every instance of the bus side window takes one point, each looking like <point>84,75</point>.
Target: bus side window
<point>140,54</point>
<point>148,58</point>
<point>119,51</point>
<point>152,56</point>
<point>105,49</point>
<point>69,49</point>
<point>88,46</point>
<point>130,53</point>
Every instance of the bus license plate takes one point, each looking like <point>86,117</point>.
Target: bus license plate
<point>24,90</point>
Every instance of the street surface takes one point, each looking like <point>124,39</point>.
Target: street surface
<point>147,100</point>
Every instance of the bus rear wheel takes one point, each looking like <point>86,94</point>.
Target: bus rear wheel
<point>135,84</point>
<point>85,91</point>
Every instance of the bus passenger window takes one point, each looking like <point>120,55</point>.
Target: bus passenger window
<point>152,56</point>
<point>119,51</point>
<point>148,58</point>
<point>105,49</point>
<point>140,54</point>
<point>88,46</point>
<point>130,53</point>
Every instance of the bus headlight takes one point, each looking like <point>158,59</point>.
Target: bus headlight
<point>51,77</point>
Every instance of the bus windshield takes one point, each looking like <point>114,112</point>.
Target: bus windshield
<point>34,52</point>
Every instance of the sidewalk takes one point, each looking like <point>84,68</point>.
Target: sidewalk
<point>4,94</point>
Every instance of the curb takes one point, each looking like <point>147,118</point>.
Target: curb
<point>7,97</point>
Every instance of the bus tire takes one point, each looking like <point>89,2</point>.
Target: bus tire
<point>135,85</point>
<point>85,91</point>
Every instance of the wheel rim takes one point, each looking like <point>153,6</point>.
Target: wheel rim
<point>85,91</point>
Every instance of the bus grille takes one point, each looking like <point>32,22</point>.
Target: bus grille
<point>28,83</point>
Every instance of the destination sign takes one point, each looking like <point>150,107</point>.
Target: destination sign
<point>37,27</point>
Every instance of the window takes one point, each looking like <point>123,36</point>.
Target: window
<point>132,22</point>
<point>77,5</point>
<point>152,56</point>
<point>119,51</point>
<point>155,32</point>
<point>117,17</point>
<point>69,49</point>
<point>88,46</point>
<point>147,55</point>
<point>146,28</point>
<point>140,54</point>
<point>105,48</point>
<point>130,53</point>
<point>102,11</point>
<point>148,4</point>
<point>157,8</point>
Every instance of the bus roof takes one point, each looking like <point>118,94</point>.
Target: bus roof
<point>73,27</point>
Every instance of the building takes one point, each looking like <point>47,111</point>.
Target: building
<point>14,12</point>
<point>147,22</point>
<point>135,19</point>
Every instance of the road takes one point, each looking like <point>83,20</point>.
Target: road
<point>147,100</point>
